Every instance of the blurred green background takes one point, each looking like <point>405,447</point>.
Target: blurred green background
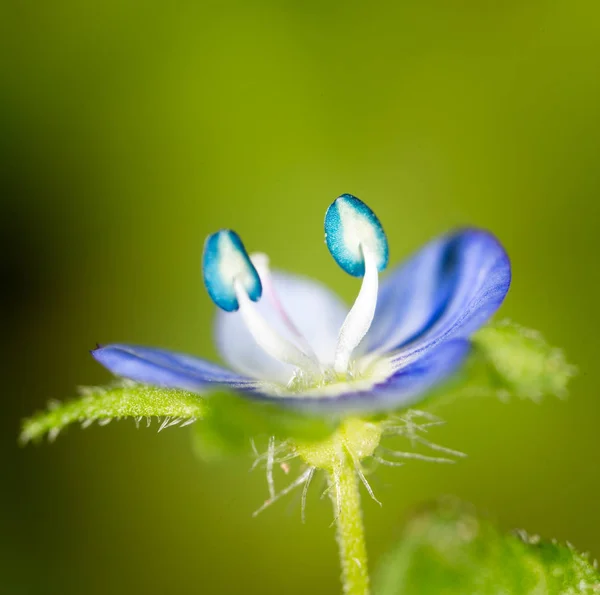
<point>129,131</point>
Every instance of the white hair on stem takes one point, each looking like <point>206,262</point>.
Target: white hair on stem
<point>305,476</point>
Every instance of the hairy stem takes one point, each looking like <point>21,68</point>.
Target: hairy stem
<point>343,489</point>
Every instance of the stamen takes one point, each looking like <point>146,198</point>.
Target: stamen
<point>358,244</point>
<point>233,284</point>
<point>360,317</point>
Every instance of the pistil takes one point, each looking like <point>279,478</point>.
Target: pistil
<point>269,339</point>
<point>261,263</point>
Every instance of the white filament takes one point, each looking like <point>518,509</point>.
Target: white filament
<point>267,338</point>
<point>361,315</point>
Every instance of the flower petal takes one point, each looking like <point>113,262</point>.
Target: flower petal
<point>447,290</point>
<point>402,388</point>
<point>160,367</point>
<point>315,311</point>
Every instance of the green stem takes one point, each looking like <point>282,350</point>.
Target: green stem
<point>343,489</point>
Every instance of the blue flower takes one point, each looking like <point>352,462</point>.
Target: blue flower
<point>291,341</point>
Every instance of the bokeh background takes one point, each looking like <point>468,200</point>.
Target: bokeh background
<point>129,131</point>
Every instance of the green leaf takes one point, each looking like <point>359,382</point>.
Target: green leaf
<point>104,404</point>
<point>519,362</point>
<point>450,550</point>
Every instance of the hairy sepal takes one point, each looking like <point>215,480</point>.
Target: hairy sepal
<point>232,422</point>
<point>103,404</point>
<point>516,361</point>
<point>226,423</point>
<point>507,361</point>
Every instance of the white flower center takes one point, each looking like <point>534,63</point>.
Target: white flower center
<point>235,281</point>
<point>310,372</point>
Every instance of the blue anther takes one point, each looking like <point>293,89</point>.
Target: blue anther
<point>224,262</point>
<point>350,227</point>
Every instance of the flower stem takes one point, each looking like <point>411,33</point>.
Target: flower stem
<point>339,455</point>
<point>343,489</point>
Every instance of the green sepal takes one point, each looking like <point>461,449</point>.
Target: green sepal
<point>225,423</point>
<point>520,363</point>
<point>125,400</point>
<point>232,421</point>
<point>449,549</point>
<point>507,360</point>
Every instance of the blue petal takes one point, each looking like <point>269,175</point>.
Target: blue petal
<point>160,367</point>
<point>406,387</point>
<point>315,311</point>
<point>409,385</point>
<point>447,290</point>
